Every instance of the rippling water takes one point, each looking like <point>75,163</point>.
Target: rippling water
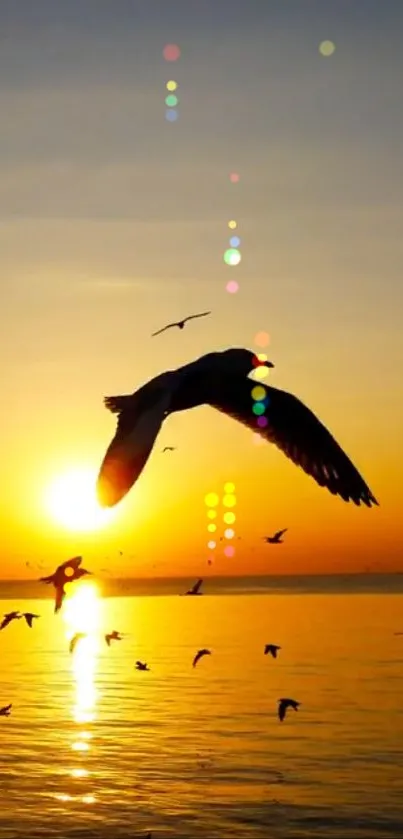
<point>94,748</point>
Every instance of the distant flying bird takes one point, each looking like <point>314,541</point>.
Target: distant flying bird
<point>112,636</point>
<point>141,665</point>
<point>221,380</point>
<point>75,639</point>
<point>29,617</point>
<point>168,449</point>
<point>276,539</point>
<point>196,588</point>
<point>6,710</point>
<point>10,616</point>
<point>180,323</point>
<point>200,655</point>
<point>61,577</point>
<point>395,633</point>
<point>272,649</point>
<point>283,704</point>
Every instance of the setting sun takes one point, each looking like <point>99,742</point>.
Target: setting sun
<point>71,500</point>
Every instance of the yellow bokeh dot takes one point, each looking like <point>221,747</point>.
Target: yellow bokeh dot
<point>211,527</point>
<point>261,356</point>
<point>211,514</point>
<point>171,85</point>
<point>258,393</point>
<point>229,518</point>
<point>211,499</point>
<point>232,224</point>
<point>327,48</point>
<point>229,487</point>
<point>260,373</point>
<point>229,501</point>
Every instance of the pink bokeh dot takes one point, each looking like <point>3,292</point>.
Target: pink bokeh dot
<point>229,550</point>
<point>262,339</point>
<point>234,177</point>
<point>262,422</point>
<point>232,287</point>
<point>171,52</point>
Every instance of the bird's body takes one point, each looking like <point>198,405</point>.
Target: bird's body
<point>200,655</point>
<point>168,449</point>
<point>75,639</point>
<point>6,710</point>
<point>8,617</point>
<point>221,381</point>
<point>272,649</point>
<point>68,572</point>
<point>276,538</point>
<point>195,589</point>
<point>113,636</point>
<point>180,323</point>
<point>283,704</point>
<point>29,617</point>
<point>141,665</point>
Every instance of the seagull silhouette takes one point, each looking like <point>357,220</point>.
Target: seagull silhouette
<point>113,636</point>
<point>168,449</point>
<point>141,665</point>
<point>68,572</point>
<point>221,380</point>
<point>75,639</point>
<point>29,617</point>
<point>8,617</point>
<point>196,588</point>
<point>6,710</point>
<point>180,323</point>
<point>272,649</point>
<point>276,539</point>
<point>283,704</point>
<point>200,655</point>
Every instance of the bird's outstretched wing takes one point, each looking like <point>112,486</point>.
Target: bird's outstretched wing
<point>197,586</point>
<point>199,315</point>
<point>164,328</point>
<point>300,435</point>
<point>279,533</point>
<point>74,562</point>
<point>139,422</point>
<point>60,594</point>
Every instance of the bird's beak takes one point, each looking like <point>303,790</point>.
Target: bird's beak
<point>268,364</point>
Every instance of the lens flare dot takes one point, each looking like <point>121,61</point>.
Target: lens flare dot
<point>171,85</point>
<point>212,514</point>
<point>171,52</point>
<point>258,393</point>
<point>232,256</point>
<point>258,408</point>
<point>232,287</point>
<point>327,48</point>
<point>234,177</point>
<point>211,527</point>
<point>262,422</point>
<point>229,533</point>
<point>229,487</point>
<point>211,544</point>
<point>171,100</point>
<point>171,115</point>
<point>211,499</point>
<point>229,518</point>
<point>229,501</point>
<point>229,550</point>
<point>260,373</point>
<point>234,241</point>
<point>262,339</point>
<point>232,224</point>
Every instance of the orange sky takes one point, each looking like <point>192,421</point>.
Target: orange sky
<point>114,222</point>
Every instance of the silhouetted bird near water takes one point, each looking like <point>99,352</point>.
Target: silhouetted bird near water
<point>68,572</point>
<point>141,665</point>
<point>112,636</point>
<point>221,380</point>
<point>200,655</point>
<point>276,539</point>
<point>272,649</point>
<point>29,617</point>
<point>75,639</point>
<point>8,617</point>
<point>283,704</point>
<point>6,710</point>
<point>196,588</point>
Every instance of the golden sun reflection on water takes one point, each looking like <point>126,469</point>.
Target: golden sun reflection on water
<point>82,614</point>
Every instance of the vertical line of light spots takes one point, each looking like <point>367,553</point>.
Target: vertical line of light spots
<point>232,255</point>
<point>229,517</point>
<point>260,398</point>
<point>171,52</point>
<point>211,501</point>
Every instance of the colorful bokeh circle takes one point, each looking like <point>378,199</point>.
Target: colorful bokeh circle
<point>229,550</point>
<point>327,48</point>
<point>262,339</point>
<point>234,177</point>
<point>211,499</point>
<point>229,500</point>
<point>232,256</point>
<point>171,115</point>
<point>171,85</point>
<point>232,224</point>
<point>171,52</point>
<point>229,517</point>
<point>232,287</point>
<point>229,487</point>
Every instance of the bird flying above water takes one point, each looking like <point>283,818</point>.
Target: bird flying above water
<point>272,649</point>
<point>6,710</point>
<point>276,538</point>
<point>29,617</point>
<point>113,636</point>
<point>221,380</point>
<point>196,588</point>
<point>75,639</point>
<point>283,704</point>
<point>180,323</point>
<point>8,617</point>
<point>141,665</point>
<point>61,577</point>
<point>200,655</point>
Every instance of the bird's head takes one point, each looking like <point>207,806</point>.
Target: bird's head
<point>244,361</point>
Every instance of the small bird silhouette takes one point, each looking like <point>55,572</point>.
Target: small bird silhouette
<point>180,323</point>
<point>29,617</point>
<point>196,588</point>
<point>272,649</point>
<point>68,572</point>
<point>168,449</point>
<point>283,704</point>
<point>10,616</point>
<point>276,539</point>
<point>75,639</point>
<point>141,665</point>
<point>113,636</point>
<point>6,710</point>
<point>200,655</point>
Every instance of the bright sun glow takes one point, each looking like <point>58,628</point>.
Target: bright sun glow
<point>71,500</point>
<point>82,613</point>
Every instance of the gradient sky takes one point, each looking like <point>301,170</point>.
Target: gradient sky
<point>113,221</point>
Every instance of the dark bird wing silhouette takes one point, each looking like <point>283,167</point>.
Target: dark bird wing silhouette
<point>164,328</point>
<point>196,588</point>
<point>272,649</point>
<point>29,617</point>
<point>60,594</point>
<point>200,655</point>
<point>6,710</point>
<point>75,639</point>
<point>199,315</point>
<point>279,533</point>
<point>221,380</point>
<point>283,704</point>
<point>11,616</point>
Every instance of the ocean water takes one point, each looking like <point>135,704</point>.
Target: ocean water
<point>94,748</point>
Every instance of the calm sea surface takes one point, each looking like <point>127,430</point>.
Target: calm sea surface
<point>94,748</point>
